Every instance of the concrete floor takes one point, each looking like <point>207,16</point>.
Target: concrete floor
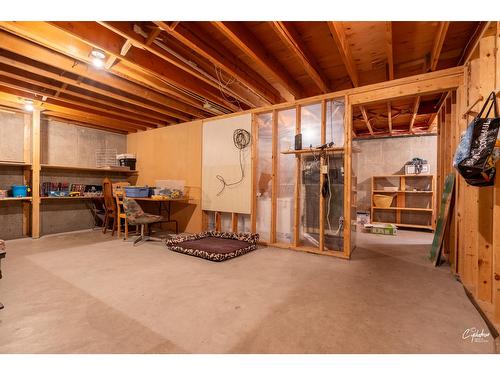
<point>86,293</point>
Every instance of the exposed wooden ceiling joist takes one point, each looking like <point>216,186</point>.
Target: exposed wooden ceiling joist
<point>224,59</point>
<point>58,117</point>
<point>338,34</point>
<point>21,82</point>
<point>414,113</point>
<point>438,44</point>
<point>71,63</point>
<point>473,42</point>
<point>366,119</point>
<point>293,41</point>
<point>246,42</point>
<point>126,30</point>
<point>389,50</point>
<point>389,117</point>
<point>111,43</point>
<point>157,113</point>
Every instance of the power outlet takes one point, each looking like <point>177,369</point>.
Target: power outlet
<point>324,169</point>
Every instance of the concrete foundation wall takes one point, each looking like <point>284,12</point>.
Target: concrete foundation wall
<point>11,136</point>
<point>387,156</point>
<point>61,144</point>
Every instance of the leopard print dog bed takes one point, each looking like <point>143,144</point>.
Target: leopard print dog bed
<point>213,245</point>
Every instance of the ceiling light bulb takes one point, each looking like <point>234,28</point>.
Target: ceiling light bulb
<point>98,57</point>
<point>98,63</point>
<point>28,105</point>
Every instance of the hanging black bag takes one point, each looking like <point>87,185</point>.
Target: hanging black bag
<point>476,165</point>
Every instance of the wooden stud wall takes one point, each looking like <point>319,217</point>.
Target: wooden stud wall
<point>472,240</point>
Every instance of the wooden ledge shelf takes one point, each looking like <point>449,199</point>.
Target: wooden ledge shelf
<point>89,169</point>
<point>404,191</point>
<point>404,175</point>
<point>14,164</point>
<point>67,198</point>
<point>10,199</point>
<point>314,151</point>
<point>429,227</point>
<point>404,209</point>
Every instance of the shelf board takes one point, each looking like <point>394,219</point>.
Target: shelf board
<point>314,150</point>
<point>14,164</point>
<point>404,191</point>
<point>406,225</point>
<point>26,199</point>
<point>90,169</point>
<point>404,175</point>
<point>404,209</point>
<point>66,198</point>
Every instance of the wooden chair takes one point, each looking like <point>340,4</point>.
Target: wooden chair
<point>120,214</point>
<point>110,206</point>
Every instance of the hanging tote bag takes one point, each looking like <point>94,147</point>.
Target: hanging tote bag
<point>474,155</point>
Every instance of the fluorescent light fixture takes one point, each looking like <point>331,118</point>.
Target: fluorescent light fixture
<point>28,105</point>
<point>98,57</point>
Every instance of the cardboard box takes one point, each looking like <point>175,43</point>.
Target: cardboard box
<point>386,229</point>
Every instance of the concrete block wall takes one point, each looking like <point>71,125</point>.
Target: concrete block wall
<point>386,156</point>
<point>61,144</point>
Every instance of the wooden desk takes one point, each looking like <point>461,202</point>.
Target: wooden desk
<point>161,206</point>
<point>2,255</point>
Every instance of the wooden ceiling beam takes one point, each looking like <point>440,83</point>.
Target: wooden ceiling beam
<point>365,118</point>
<point>224,59</point>
<point>338,34</point>
<point>389,49</point>
<point>22,92</point>
<point>16,97</point>
<point>416,104</point>
<point>473,42</point>
<point>127,30</point>
<point>100,37</point>
<point>76,60</point>
<point>242,38</point>
<point>96,124</point>
<point>291,38</point>
<point>157,114</point>
<point>123,115</point>
<point>54,116</point>
<point>438,44</point>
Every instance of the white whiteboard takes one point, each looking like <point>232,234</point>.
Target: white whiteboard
<point>221,157</point>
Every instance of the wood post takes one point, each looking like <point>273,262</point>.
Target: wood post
<point>347,175</point>
<point>296,213</point>
<point>322,179</point>
<point>35,167</point>
<point>255,160</point>
<point>274,192</point>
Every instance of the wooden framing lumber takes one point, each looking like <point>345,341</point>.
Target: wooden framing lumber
<point>67,63</point>
<point>274,173</point>
<point>473,42</point>
<point>100,37</point>
<point>438,43</point>
<point>322,163</point>
<point>366,119</point>
<point>223,59</point>
<point>127,30</point>
<point>414,113</point>
<point>292,40</point>
<point>389,50</point>
<point>296,192</point>
<point>338,34</point>
<point>246,42</point>
<point>389,117</point>
<point>35,168</point>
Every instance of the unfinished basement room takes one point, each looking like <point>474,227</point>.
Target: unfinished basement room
<point>193,186</point>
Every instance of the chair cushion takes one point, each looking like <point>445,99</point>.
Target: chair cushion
<point>145,219</point>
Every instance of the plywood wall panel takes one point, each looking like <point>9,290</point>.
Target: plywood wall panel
<point>222,158</point>
<point>172,152</point>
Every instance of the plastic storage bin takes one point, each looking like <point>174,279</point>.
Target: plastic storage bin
<point>19,191</point>
<point>136,191</point>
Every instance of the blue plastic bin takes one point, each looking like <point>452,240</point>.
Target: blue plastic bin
<point>136,191</point>
<point>19,191</point>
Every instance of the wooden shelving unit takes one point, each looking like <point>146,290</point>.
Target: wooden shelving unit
<point>87,169</point>
<point>421,187</point>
